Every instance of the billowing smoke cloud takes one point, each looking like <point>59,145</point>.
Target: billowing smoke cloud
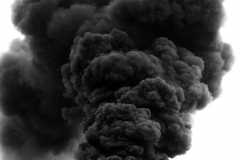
<point>109,79</point>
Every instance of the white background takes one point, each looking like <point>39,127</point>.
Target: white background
<point>216,130</point>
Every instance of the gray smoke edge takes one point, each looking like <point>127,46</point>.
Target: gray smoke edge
<point>109,80</point>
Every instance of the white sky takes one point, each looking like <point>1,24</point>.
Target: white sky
<point>216,130</point>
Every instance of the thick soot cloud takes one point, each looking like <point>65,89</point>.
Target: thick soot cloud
<point>119,78</point>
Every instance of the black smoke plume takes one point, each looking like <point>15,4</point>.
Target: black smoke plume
<point>116,79</point>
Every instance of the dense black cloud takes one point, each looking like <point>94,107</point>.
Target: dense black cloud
<point>32,104</point>
<point>117,77</point>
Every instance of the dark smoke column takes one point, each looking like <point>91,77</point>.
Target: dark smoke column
<point>121,75</point>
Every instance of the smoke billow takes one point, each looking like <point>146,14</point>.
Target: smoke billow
<point>110,79</point>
